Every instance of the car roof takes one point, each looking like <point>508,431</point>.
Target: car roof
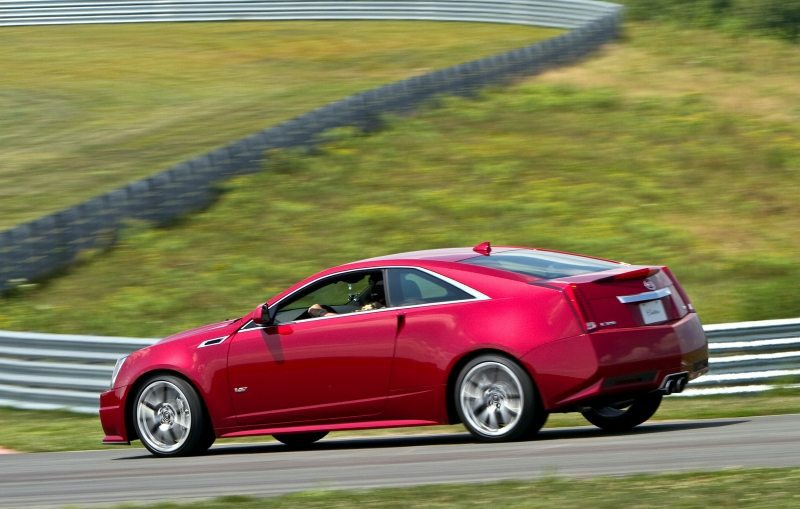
<point>452,254</point>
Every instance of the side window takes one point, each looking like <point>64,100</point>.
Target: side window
<point>411,286</point>
<point>345,293</point>
<point>336,293</point>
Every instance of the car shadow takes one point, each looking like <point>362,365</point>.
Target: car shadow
<point>644,429</point>
<point>378,442</point>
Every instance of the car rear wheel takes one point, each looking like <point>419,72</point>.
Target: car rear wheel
<point>169,418</point>
<point>497,401</point>
<point>625,415</point>
<point>299,439</point>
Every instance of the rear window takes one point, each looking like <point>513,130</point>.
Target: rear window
<point>541,264</point>
<point>408,287</point>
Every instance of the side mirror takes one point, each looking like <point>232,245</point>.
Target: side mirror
<point>262,315</point>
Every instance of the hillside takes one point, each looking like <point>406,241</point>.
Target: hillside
<point>89,108</point>
<point>674,146</point>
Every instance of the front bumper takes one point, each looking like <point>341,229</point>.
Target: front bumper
<point>112,416</point>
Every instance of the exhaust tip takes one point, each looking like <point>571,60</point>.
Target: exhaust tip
<point>674,383</point>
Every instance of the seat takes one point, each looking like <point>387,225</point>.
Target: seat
<point>411,292</point>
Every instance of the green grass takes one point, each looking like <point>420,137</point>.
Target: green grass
<point>49,431</point>
<point>745,489</point>
<point>624,156</point>
<point>774,18</point>
<point>52,431</point>
<point>676,146</point>
<point>88,108</point>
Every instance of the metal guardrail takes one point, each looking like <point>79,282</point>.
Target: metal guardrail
<point>552,13</point>
<point>34,250</point>
<point>49,371</point>
<point>750,357</point>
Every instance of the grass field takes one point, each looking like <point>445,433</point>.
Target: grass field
<point>657,151</point>
<point>744,489</point>
<point>674,146</point>
<point>89,108</point>
<point>52,431</point>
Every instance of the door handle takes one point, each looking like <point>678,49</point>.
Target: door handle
<point>401,323</point>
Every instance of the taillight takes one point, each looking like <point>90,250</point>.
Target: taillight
<point>578,304</point>
<point>679,288</point>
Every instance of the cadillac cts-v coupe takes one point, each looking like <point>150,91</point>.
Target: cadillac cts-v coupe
<point>494,338</point>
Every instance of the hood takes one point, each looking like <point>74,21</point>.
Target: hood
<point>204,332</point>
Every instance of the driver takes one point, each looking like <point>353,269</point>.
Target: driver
<point>377,300</point>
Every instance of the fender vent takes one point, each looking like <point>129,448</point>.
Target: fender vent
<point>212,342</point>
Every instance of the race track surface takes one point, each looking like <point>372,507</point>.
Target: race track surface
<point>123,474</point>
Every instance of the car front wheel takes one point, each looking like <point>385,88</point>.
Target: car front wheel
<point>169,417</point>
<point>625,415</point>
<point>497,401</point>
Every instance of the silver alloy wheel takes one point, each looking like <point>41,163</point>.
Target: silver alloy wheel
<point>163,415</point>
<point>491,398</point>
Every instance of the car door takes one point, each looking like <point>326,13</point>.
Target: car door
<point>432,311</point>
<point>306,369</point>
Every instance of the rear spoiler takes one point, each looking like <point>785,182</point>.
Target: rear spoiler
<point>630,274</point>
<point>624,273</point>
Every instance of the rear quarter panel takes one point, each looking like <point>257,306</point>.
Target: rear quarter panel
<point>434,341</point>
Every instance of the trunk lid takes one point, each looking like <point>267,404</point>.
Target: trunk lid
<point>626,297</point>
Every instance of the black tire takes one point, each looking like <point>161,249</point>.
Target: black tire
<point>497,401</point>
<point>298,440</point>
<point>625,416</point>
<point>169,418</point>
<point>209,438</point>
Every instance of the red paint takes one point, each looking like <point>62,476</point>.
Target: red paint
<point>391,367</point>
<point>313,370</point>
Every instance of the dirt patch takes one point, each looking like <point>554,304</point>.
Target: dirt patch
<point>7,451</point>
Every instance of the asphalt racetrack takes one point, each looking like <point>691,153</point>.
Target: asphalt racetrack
<point>123,474</point>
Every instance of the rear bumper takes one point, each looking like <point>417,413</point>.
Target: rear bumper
<point>617,363</point>
<point>112,417</point>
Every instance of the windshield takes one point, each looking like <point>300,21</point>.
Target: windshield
<point>541,264</point>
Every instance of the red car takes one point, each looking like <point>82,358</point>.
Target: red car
<point>493,338</point>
